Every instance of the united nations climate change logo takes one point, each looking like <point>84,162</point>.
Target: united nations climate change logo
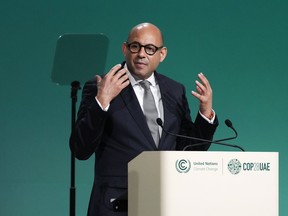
<point>234,166</point>
<point>183,166</point>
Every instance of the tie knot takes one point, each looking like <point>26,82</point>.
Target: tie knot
<point>145,84</point>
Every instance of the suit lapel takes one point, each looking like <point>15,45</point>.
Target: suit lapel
<point>169,117</point>
<point>133,106</point>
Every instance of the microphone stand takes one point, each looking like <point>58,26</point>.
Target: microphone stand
<point>219,142</point>
<point>75,86</point>
<point>204,141</point>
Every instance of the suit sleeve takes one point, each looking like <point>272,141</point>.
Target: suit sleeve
<point>87,134</point>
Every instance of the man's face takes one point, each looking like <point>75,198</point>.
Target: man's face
<point>142,64</point>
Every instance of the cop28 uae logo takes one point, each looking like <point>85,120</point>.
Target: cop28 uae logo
<point>234,166</point>
<point>183,166</point>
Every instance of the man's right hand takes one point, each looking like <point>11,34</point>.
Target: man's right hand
<point>111,84</point>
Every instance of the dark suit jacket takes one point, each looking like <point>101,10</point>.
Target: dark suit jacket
<point>119,135</point>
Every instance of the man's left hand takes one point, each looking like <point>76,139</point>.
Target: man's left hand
<point>204,95</point>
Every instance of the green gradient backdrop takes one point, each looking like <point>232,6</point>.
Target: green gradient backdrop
<point>240,45</point>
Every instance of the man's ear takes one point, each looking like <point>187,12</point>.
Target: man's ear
<point>163,54</point>
<point>124,49</point>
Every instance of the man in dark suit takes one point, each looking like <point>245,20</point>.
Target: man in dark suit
<point>111,119</point>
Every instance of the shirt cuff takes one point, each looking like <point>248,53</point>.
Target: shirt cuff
<point>105,108</point>
<point>211,121</point>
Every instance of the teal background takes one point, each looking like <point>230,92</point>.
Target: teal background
<point>240,45</point>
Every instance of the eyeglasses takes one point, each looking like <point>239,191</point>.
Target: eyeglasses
<point>150,49</point>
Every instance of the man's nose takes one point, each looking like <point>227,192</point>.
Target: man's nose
<point>142,52</point>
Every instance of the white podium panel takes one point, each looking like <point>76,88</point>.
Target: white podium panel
<point>182,183</point>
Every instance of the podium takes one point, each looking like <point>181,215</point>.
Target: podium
<point>182,183</point>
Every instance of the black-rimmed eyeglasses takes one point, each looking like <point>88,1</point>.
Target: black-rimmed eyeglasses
<point>150,49</point>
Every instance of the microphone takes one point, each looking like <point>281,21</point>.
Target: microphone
<point>204,141</point>
<point>229,124</point>
<point>220,141</point>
